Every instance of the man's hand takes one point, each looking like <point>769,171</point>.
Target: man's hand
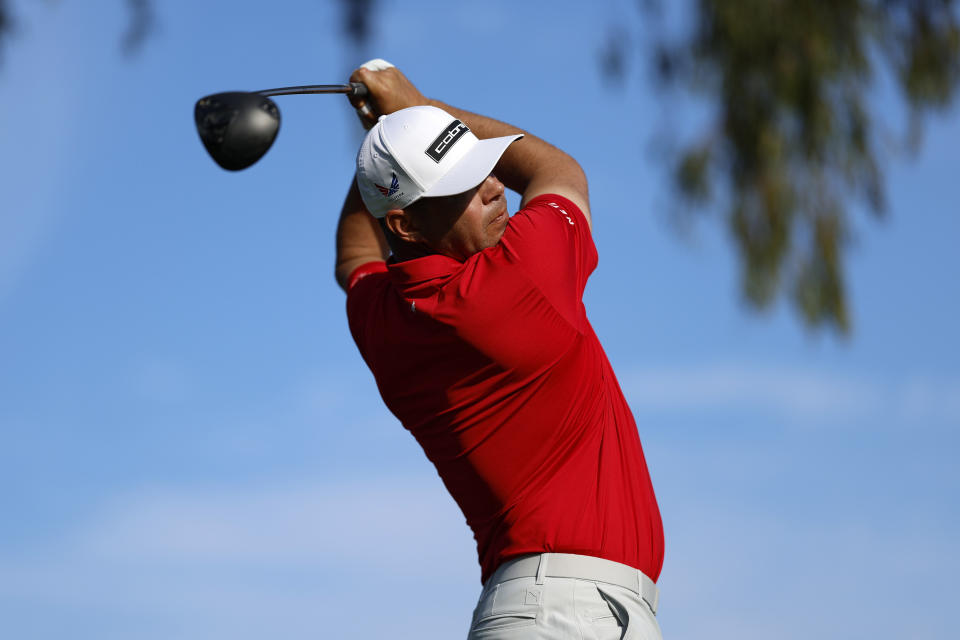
<point>390,91</point>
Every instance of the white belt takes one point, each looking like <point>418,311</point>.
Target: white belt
<point>568,565</point>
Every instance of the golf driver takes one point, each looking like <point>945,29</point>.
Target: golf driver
<point>238,127</point>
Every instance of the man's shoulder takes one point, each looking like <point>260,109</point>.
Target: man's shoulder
<point>553,207</point>
<point>364,271</point>
<point>362,285</point>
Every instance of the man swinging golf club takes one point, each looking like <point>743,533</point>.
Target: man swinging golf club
<point>476,333</point>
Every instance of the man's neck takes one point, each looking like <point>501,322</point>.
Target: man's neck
<point>411,252</point>
<point>403,251</point>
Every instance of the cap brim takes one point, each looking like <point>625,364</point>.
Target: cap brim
<point>473,168</point>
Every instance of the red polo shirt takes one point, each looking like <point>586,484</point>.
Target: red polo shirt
<point>494,368</point>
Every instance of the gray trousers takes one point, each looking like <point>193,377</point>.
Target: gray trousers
<point>545,607</point>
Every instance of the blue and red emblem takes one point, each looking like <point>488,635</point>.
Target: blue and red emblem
<point>394,187</point>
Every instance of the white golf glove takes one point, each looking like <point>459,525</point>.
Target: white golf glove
<point>377,64</point>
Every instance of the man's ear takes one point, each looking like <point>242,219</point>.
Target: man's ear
<point>401,224</point>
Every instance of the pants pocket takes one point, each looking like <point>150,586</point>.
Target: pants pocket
<point>598,619</point>
<point>636,619</point>
<point>513,604</point>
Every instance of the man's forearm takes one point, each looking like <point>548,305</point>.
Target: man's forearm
<point>482,126</point>
<point>524,160</point>
<point>359,237</point>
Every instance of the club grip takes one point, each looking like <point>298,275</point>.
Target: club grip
<point>359,90</point>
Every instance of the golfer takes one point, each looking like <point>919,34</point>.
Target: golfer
<point>473,324</point>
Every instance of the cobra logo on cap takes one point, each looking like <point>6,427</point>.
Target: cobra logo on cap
<point>447,138</point>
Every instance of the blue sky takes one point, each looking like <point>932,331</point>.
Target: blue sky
<point>191,447</point>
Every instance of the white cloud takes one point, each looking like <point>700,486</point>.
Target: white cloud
<point>322,524</point>
<point>735,572</point>
<point>297,560</point>
<point>375,559</point>
<point>928,398</point>
<point>790,392</point>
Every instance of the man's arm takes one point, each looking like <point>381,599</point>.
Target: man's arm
<point>530,166</point>
<point>359,237</point>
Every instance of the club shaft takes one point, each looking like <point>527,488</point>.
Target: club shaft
<point>354,88</point>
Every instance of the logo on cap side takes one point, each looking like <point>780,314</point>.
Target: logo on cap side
<point>394,186</point>
<point>447,138</point>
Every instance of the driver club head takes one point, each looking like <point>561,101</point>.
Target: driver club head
<point>237,127</point>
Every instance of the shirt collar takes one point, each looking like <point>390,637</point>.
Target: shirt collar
<point>422,275</point>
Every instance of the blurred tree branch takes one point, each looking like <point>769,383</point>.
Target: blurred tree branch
<point>5,26</point>
<point>793,141</point>
<point>357,20</point>
<point>141,26</point>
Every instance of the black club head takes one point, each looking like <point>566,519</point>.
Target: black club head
<point>237,127</point>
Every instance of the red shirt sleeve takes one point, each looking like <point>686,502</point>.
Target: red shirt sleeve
<point>362,286</point>
<point>551,242</point>
<point>364,270</point>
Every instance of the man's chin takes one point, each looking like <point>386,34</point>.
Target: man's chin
<point>497,235</point>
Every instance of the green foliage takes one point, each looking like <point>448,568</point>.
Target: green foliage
<point>793,141</point>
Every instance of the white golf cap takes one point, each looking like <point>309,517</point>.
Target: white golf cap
<point>422,152</point>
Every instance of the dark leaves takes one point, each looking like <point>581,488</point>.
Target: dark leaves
<point>357,20</point>
<point>613,55</point>
<point>141,24</point>
<point>692,175</point>
<point>793,142</point>
<point>5,26</point>
<point>923,44</point>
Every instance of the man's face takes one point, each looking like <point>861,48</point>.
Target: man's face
<point>461,225</point>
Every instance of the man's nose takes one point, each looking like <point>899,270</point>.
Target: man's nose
<point>492,188</point>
